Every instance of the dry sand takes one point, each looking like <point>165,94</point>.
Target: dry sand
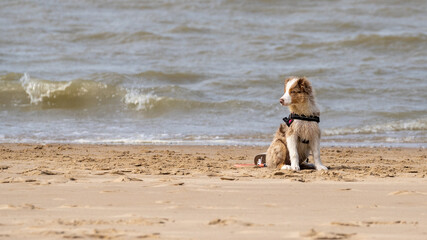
<point>195,192</point>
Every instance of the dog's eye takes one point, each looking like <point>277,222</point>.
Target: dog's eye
<point>293,91</point>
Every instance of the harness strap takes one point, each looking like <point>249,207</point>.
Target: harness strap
<point>290,119</point>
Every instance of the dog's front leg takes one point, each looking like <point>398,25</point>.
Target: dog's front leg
<point>315,148</point>
<point>292,142</point>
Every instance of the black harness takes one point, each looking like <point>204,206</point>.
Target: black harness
<point>290,119</point>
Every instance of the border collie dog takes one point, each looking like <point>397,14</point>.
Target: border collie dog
<point>300,133</point>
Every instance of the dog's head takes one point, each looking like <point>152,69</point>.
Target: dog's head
<point>297,90</point>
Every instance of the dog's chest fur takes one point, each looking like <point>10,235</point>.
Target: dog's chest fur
<point>304,131</point>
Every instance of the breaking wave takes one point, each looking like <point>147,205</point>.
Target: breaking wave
<point>148,102</point>
<point>140,101</point>
<point>38,90</point>
<point>19,90</point>
<point>67,94</point>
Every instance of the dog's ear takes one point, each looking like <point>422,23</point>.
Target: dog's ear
<point>286,82</point>
<point>305,85</point>
<point>289,79</point>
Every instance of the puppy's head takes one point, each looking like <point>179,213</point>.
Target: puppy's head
<point>297,90</point>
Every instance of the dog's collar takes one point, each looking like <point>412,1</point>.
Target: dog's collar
<point>290,119</point>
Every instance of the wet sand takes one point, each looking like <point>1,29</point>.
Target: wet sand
<point>196,192</point>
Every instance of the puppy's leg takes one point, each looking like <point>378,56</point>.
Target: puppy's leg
<point>292,142</point>
<point>286,167</point>
<point>276,154</point>
<point>315,148</point>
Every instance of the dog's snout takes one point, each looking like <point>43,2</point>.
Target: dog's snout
<point>282,101</point>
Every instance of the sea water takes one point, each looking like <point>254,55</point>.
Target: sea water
<point>210,72</point>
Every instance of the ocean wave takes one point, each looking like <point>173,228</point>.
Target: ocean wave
<point>385,41</point>
<point>10,77</point>
<point>123,37</point>
<point>140,101</point>
<point>38,90</point>
<point>75,93</point>
<point>141,36</point>
<point>404,125</point>
<point>173,77</point>
<point>187,29</point>
<point>147,77</point>
<point>375,41</point>
<point>148,102</point>
<point>109,88</point>
<point>120,91</point>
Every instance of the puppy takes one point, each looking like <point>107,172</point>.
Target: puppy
<point>300,133</point>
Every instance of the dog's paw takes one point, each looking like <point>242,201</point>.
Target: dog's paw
<point>295,168</point>
<point>290,167</point>
<point>321,167</point>
<point>286,167</point>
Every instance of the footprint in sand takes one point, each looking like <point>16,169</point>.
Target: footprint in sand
<point>226,222</point>
<point>404,192</point>
<point>17,180</point>
<point>163,202</point>
<point>25,206</point>
<point>127,179</point>
<point>370,223</point>
<point>345,224</point>
<point>229,178</point>
<point>150,236</point>
<point>109,233</point>
<point>398,222</point>
<point>313,234</point>
<point>75,206</point>
<point>39,171</point>
<point>4,167</point>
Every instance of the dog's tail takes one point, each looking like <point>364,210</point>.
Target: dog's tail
<point>260,159</point>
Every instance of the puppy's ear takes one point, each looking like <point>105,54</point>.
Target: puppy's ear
<point>287,80</point>
<point>305,85</point>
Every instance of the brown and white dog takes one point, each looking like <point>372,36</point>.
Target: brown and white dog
<point>295,139</point>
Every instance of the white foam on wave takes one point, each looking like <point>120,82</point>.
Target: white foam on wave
<point>404,125</point>
<point>139,100</point>
<point>38,90</point>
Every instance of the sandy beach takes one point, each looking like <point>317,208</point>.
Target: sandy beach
<point>196,192</point>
